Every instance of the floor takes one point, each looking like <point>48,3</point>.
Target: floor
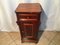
<point>13,38</point>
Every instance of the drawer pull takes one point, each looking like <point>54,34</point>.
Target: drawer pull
<point>22,31</point>
<point>27,17</point>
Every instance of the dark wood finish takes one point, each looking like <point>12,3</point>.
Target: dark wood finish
<point>28,20</point>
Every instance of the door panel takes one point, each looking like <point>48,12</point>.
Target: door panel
<point>28,30</point>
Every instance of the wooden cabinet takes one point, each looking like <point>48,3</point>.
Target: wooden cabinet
<point>28,20</point>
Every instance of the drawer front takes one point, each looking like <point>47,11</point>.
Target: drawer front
<point>27,16</point>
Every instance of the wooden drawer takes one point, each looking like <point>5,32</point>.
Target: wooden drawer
<point>27,16</point>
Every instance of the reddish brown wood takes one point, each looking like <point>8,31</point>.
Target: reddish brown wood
<point>29,7</point>
<point>28,20</point>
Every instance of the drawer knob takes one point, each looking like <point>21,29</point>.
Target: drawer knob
<point>27,17</point>
<point>22,31</point>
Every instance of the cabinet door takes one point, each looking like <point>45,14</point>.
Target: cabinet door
<point>28,30</point>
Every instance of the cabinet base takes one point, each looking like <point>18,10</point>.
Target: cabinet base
<point>28,40</point>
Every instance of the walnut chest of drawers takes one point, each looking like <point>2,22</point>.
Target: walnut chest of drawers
<point>28,20</point>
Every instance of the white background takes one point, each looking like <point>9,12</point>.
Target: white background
<point>50,17</point>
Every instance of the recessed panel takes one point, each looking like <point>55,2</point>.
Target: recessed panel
<point>28,30</point>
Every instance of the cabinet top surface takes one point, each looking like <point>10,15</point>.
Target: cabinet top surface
<point>29,7</point>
